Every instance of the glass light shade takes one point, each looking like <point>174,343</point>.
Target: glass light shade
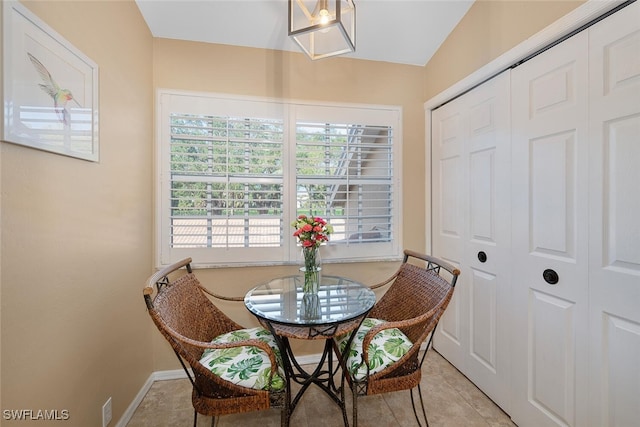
<point>321,40</point>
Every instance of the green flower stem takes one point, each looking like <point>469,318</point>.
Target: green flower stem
<point>310,306</point>
<point>311,270</point>
<point>311,282</point>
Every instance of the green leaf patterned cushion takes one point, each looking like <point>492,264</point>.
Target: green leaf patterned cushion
<point>246,366</point>
<point>386,347</point>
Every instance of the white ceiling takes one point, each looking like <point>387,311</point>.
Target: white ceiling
<point>400,31</point>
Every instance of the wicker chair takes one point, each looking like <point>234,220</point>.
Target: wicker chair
<point>190,321</point>
<point>413,304</point>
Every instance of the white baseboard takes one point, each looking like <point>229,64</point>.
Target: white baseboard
<point>155,376</point>
<point>175,374</point>
<point>128,413</point>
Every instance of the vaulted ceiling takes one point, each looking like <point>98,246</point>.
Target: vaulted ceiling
<point>398,31</point>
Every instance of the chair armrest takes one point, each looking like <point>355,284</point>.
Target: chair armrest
<point>164,272</point>
<point>386,282</point>
<point>431,259</point>
<point>218,296</point>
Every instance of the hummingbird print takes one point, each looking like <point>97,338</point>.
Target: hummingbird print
<point>60,96</point>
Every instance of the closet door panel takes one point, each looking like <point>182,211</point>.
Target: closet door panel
<point>551,344</point>
<point>483,327</point>
<point>487,244</point>
<point>473,334</point>
<point>550,236</point>
<point>447,176</point>
<point>450,222</point>
<point>614,212</point>
<point>552,195</point>
<point>619,376</point>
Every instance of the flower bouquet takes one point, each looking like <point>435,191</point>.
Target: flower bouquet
<point>311,233</point>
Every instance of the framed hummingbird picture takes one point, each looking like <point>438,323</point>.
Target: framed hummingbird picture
<point>50,88</point>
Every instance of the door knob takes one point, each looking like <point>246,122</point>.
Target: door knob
<point>482,256</point>
<point>550,276</point>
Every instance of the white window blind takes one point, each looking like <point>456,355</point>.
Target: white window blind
<point>347,163</point>
<point>344,173</point>
<point>226,181</point>
<point>234,173</point>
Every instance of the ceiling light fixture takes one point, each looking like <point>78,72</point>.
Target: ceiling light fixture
<point>323,28</point>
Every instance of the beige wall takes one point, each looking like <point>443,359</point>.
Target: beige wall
<point>76,236</point>
<point>489,29</point>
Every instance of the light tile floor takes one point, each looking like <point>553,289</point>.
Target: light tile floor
<point>450,398</point>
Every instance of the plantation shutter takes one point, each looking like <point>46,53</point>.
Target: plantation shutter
<point>344,174</point>
<point>226,181</point>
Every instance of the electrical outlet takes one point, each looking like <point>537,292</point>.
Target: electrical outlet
<point>106,413</point>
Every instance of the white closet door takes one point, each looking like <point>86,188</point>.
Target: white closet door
<point>550,240</point>
<point>614,56</point>
<point>472,229</point>
<point>448,175</point>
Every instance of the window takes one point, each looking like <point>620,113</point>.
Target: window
<point>235,172</point>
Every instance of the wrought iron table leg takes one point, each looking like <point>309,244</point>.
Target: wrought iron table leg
<point>323,378</point>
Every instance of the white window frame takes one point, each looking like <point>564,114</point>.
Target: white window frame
<point>169,101</point>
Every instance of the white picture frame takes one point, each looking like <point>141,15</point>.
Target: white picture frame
<point>50,88</point>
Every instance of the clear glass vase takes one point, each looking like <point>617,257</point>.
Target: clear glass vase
<point>310,307</point>
<point>311,270</point>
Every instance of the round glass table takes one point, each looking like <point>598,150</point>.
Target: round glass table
<point>338,308</point>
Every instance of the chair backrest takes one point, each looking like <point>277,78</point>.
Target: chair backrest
<point>420,290</point>
<point>182,312</point>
